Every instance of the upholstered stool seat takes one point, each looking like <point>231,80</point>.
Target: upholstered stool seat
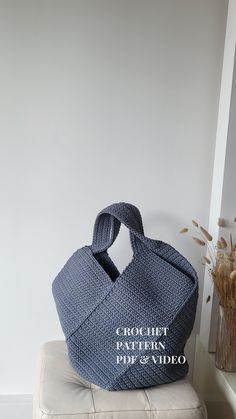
<point>61,393</point>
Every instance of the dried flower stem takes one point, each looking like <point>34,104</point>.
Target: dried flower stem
<point>210,247</point>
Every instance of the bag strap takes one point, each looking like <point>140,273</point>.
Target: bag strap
<point>107,226</point>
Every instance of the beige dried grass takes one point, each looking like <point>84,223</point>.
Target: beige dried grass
<point>183,230</point>
<point>207,260</point>
<point>224,277</point>
<point>225,284</point>
<point>223,242</point>
<point>206,234</point>
<point>221,222</point>
<point>221,262</point>
<point>233,274</point>
<point>198,241</point>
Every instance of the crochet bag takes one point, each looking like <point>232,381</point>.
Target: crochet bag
<point>126,330</point>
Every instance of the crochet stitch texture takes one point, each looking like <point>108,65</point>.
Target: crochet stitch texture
<point>158,288</point>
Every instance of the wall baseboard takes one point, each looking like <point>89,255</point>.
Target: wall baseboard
<point>16,406</point>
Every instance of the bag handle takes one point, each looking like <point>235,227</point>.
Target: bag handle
<point>107,226</point>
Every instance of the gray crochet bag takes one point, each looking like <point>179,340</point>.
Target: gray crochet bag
<point>126,330</point>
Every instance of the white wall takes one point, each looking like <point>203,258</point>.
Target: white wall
<point>222,200</point>
<point>100,101</point>
<point>228,207</point>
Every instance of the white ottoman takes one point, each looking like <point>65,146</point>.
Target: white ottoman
<point>62,394</point>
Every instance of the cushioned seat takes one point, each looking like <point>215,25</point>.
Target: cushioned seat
<point>62,393</point>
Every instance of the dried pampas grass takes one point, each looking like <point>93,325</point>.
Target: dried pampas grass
<point>223,242</point>
<point>225,284</point>
<point>207,260</point>
<point>198,241</point>
<point>183,230</point>
<point>221,222</point>
<point>206,234</point>
<point>221,261</point>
